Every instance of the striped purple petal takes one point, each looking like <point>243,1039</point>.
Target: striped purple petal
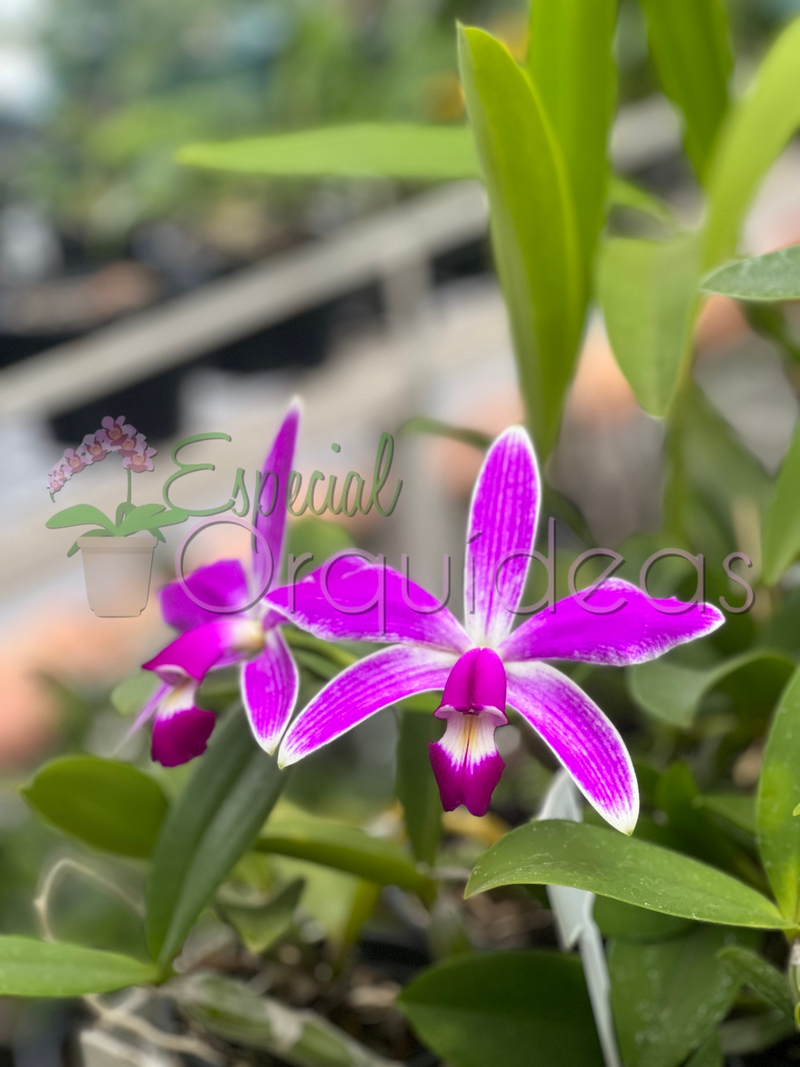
<point>366,602</point>
<point>501,531</point>
<point>180,729</point>
<point>581,736</point>
<point>274,482</point>
<point>269,690</point>
<point>373,683</point>
<point>466,763</point>
<point>617,625</point>
<point>197,651</point>
<point>223,584</point>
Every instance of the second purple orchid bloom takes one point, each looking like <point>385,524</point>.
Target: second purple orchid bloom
<point>483,666</point>
<point>218,638</point>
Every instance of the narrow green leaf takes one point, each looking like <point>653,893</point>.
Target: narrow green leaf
<point>366,150</point>
<point>230,1009</point>
<point>346,848</point>
<point>673,693</point>
<point>605,862</point>
<point>774,276</point>
<point>690,44</point>
<point>260,926</point>
<point>751,969</point>
<point>622,193</point>
<point>79,515</point>
<point>416,786</point>
<point>778,793</point>
<point>30,968</point>
<point>668,998</point>
<point>133,693</point>
<point>224,804</point>
<point>422,424</point>
<point>533,226</point>
<point>781,538</point>
<point>646,289</point>
<point>708,1055</point>
<point>571,65</point>
<point>519,1009</point>
<point>754,1033</point>
<point>108,804</point>
<point>754,135</point>
<point>738,810</point>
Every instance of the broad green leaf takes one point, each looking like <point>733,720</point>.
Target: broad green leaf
<point>738,810</point>
<point>667,998</point>
<point>230,1009</point>
<point>365,150</point>
<point>108,804</point>
<point>519,1009</point>
<point>754,135</point>
<point>610,864</point>
<point>781,537</point>
<point>629,923</point>
<point>673,693</point>
<point>79,515</point>
<point>533,225</point>
<point>748,968</point>
<point>778,793</point>
<point>260,926</point>
<point>140,518</point>
<point>622,193</point>
<point>133,693</point>
<point>754,1033</point>
<point>571,66</point>
<point>224,804</point>
<point>646,290</point>
<point>774,276</point>
<point>708,1055</point>
<point>690,44</point>
<point>346,848</point>
<point>30,968</point>
<point>416,786</point>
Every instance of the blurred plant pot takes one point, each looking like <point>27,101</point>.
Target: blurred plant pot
<point>117,572</point>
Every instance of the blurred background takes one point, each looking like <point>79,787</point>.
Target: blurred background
<point>191,302</point>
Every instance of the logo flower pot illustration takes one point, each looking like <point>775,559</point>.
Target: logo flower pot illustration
<point>117,554</point>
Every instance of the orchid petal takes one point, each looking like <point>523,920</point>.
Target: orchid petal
<point>589,629</point>
<point>501,531</point>
<point>180,729</point>
<point>273,497</point>
<point>466,763</point>
<point>197,651</point>
<point>223,584</point>
<point>373,683</point>
<point>366,602</point>
<point>581,736</point>
<point>269,690</point>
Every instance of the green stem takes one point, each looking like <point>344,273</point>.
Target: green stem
<point>130,486</point>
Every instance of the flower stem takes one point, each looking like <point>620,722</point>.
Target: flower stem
<point>130,487</point>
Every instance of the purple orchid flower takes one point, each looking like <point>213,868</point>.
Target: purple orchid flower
<point>484,666</point>
<point>115,431</point>
<point>95,447</point>
<point>139,459</point>
<point>221,633</point>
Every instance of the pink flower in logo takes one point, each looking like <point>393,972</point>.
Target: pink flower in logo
<point>95,447</point>
<point>129,445</point>
<point>73,462</point>
<point>139,461</point>
<point>56,479</point>
<point>115,431</point>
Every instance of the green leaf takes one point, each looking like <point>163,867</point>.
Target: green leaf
<point>260,926</point>
<point>690,44</point>
<point>748,968</point>
<point>622,193</point>
<point>571,65</point>
<point>30,968</point>
<point>668,998</point>
<point>708,1055</point>
<point>781,536</point>
<point>346,848</point>
<point>519,1009</point>
<point>647,289</point>
<point>422,424</point>
<point>79,515</point>
<point>133,693</point>
<point>533,226</point>
<point>231,1010</point>
<point>139,518</point>
<point>416,786</point>
<point>365,150</point>
<point>754,135</point>
<point>738,810</point>
<point>108,804</point>
<point>322,539</point>
<point>774,276</point>
<point>672,693</point>
<point>778,793</point>
<point>630,923</point>
<point>231,792</point>
<point>605,862</point>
